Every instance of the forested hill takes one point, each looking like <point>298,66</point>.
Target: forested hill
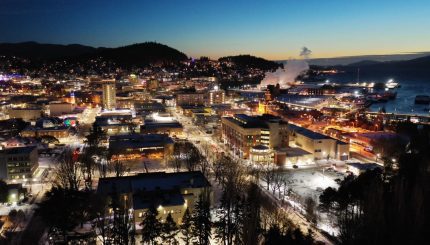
<point>249,61</point>
<point>135,54</point>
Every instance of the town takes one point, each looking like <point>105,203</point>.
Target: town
<point>160,145</point>
<point>214,122</point>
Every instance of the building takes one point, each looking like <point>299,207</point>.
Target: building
<point>113,123</point>
<point>152,85</point>
<point>109,94</point>
<point>170,193</point>
<point>18,162</point>
<point>59,132</point>
<point>58,108</point>
<point>148,108</point>
<point>18,142</point>
<point>211,97</point>
<point>161,124</point>
<point>261,154</point>
<point>321,146</point>
<point>48,126</point>
<point>190,98</point>
<point>242,132</point>
<point>26,114</point>
<point>291,156</point>
<point>155,146</point>
<point>216,96</point>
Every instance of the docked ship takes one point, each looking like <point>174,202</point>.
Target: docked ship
<point>391,84</point>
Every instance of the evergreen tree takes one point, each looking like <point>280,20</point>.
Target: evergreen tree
<point>169,231</point>
<point>151,226</point>
<point>201,218</point>
<point>186,227</point>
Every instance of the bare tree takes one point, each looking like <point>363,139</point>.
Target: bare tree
<point>68,171</point>
<point>205,159</point>
<point>310,206</point>
<point>192,157</point>
<point>118,168</point>
<point>267,175</point>
<point>278,182</point>
<point>175,160</point>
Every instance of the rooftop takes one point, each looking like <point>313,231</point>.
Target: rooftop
<point>18,150</point>
<point>138,141</point>
<point>294,152</point>
<point>306,132</point>
<point>247,121</point>
<point>147,182</point>
<point>144,199</point>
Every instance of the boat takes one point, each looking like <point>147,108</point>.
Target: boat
<point>422,99</point>
<point>392,84</point>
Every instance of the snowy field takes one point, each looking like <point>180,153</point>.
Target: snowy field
<point>311,182</point>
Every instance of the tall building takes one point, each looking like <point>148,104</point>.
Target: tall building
<point>109,94</point>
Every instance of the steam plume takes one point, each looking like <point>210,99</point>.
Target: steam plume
<point>292,69</point>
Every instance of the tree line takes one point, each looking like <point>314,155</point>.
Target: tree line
<point>388,206</point>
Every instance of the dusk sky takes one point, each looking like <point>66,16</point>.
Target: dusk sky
<point>271,29</point>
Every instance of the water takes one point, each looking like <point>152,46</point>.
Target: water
<point>405,101</point>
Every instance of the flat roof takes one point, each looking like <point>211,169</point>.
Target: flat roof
<point>294,152</point>
<point>307,133</point>
<point>18,150</point>
<point>247,121</point>
<point>139,141</point>
<point>157,181</point>
<point>155,124</point>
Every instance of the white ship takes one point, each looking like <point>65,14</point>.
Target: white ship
<point>392,84</point>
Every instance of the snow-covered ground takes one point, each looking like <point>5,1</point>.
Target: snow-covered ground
<point>305,183</point>
<point>311,182</point>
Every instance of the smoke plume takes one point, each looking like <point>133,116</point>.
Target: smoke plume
<point>305,53</point>
<point>292,69</point>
